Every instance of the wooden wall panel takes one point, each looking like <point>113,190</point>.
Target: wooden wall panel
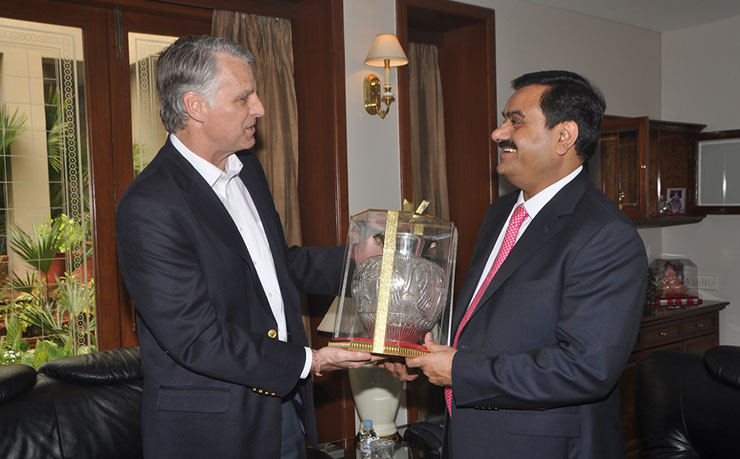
<point>466,39</point>
<point>322,184</point>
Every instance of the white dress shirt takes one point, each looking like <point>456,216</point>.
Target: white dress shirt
<point>235,197</point>
<point>533,205</point>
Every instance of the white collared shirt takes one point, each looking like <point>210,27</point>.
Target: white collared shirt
<point>235,197</point>
<point>533,206</point>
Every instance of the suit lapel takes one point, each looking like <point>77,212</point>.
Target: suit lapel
<point>548,222</point>
<point>206,205</point>
<point>210,210</point>
<point>483,247</point>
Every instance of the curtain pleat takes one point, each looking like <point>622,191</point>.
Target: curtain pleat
<point>270,40</point>
<point>428,154</point>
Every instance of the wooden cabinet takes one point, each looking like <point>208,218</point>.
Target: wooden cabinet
<point>620,164</point>
<point>692,329</point>
<point>638,159</point>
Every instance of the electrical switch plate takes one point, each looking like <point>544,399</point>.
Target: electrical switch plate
<point>707,281</point>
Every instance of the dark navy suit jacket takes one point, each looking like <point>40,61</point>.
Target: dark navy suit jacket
<point>537,365</point>
<point>214,372</point>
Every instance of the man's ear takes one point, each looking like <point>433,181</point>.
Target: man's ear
<point>195,105</point>
<point>568,136</point>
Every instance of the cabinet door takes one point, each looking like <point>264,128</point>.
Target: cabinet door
<point>619,166</point>
<point>717,173</point>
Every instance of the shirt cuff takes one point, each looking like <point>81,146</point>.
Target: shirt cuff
<point>307,365</point>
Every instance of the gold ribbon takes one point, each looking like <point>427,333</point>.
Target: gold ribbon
<point>408,206</point>
<point>386,278</point>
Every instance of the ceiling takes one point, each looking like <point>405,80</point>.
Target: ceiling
<point>658,15</point>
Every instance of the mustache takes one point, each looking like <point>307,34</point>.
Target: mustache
<point>507,144</point>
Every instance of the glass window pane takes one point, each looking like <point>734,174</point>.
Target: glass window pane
<point>47,295</point>
<point>148,132</point>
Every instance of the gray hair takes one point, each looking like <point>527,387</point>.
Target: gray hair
<point>191,64</point>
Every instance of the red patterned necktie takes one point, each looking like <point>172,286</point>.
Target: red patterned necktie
<point>520,214</point>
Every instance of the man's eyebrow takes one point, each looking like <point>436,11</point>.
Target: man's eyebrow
<point>511,113</point>
<point>248,92</point>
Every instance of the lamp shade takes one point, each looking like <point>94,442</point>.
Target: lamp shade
<point>386,46</point>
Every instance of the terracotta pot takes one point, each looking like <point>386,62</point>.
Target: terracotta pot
<point>58,266</point>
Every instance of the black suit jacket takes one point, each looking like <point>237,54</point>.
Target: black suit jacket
<point>214,372</point>
<point>537,365</point>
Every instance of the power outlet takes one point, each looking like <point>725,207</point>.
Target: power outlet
<point>707,281</point>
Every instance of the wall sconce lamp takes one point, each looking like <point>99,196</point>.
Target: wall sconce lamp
<point>386,52</point>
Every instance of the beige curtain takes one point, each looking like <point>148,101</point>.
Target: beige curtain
<point>270,39</point>
<point>428,154</point>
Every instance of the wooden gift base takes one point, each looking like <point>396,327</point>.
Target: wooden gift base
<point>389,348</point>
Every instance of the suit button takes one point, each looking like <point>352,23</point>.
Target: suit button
<point>272,393</point>
<point>254,389</point>
<point>272,333</point>
<point>260,391</point>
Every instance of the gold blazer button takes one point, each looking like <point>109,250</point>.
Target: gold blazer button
<point>272,333</point>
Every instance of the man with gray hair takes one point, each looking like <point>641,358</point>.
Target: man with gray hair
<point>225,357</point>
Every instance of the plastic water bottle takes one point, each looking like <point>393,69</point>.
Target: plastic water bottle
<point>367,436</point>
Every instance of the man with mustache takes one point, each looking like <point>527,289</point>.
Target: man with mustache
<point>551,305</point>
<point>226,363</point>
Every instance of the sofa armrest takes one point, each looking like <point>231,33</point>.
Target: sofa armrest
<point>15,380</point>
<point>724,363</point>
<point>683,410</point>
<point>105,367</point>
<point>658,408</point>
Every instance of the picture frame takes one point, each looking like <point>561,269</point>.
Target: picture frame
<point>676,199</point>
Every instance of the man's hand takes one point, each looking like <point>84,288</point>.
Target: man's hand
<point>437,364</point>
<point>335,358</point>
<point>398,369</point>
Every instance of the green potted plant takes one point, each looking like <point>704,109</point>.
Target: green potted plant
<point>63,322</point>
<point>38,248</point>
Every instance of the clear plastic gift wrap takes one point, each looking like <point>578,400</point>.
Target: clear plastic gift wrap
<point>394,293</point>
<point>673,282</point>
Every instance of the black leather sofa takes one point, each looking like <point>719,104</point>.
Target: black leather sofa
<point>82,407</point>
<point>688,405</point>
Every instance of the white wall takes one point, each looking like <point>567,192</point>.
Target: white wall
<point>653,240</point>
<point>373,149</point>
<point>623,61</point>
<point>701,72</point>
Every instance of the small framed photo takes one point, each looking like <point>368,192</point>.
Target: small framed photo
<point>676,199</point>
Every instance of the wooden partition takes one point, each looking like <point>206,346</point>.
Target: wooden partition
<point>464,35</point>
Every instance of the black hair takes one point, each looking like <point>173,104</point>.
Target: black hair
<point>569,97</point>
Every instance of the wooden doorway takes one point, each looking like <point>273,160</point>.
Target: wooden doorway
<point>465,39</point>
